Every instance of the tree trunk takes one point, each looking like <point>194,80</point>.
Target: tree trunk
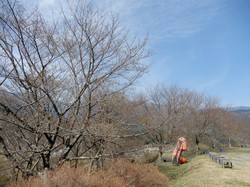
<point>46,160</point>
<point>160,150</point>
<point>197,150</point>
<point>229,142</point>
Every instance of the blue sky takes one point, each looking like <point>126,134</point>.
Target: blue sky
<point>197,44</point>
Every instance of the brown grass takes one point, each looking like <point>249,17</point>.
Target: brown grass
<point>201,171</point>
<point>120,174</point>
<point>5,171</point>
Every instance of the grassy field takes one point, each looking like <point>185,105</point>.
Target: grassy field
<point>201,171</point>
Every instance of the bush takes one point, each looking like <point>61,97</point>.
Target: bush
<point>4,180</point>
<point>135,174</point>
<point>151,157</point>
<point>4,171</point>
<point>120,174</point>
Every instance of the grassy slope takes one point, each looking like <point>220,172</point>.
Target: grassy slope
<point>201,171</point>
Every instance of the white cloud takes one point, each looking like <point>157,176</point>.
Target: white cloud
<point>164,19</point>
<point>161,19</point>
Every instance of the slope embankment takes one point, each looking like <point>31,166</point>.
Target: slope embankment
<point>201,171</point>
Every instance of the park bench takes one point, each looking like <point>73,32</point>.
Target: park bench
<point>216,158</point>
<point>226,162</point>
<point>211,154</point>
<point>221,160</point>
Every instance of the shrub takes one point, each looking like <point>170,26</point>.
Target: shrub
<point>135,174</point>
<point>119,173</point>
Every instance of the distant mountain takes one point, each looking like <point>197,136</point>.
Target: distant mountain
<point>240,108</point>
<point>243,111</point>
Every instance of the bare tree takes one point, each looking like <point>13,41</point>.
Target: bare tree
<point>165,108</point>
<point>55,80</point>
<point>232,127</point>
<point>176,112</point>
<point>203,118</point>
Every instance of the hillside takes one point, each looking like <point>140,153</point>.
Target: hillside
<point>201,171</point>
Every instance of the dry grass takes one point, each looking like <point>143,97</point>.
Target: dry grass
<point>119,174</point>
<point>201,171</point>
<point>4,171</point>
